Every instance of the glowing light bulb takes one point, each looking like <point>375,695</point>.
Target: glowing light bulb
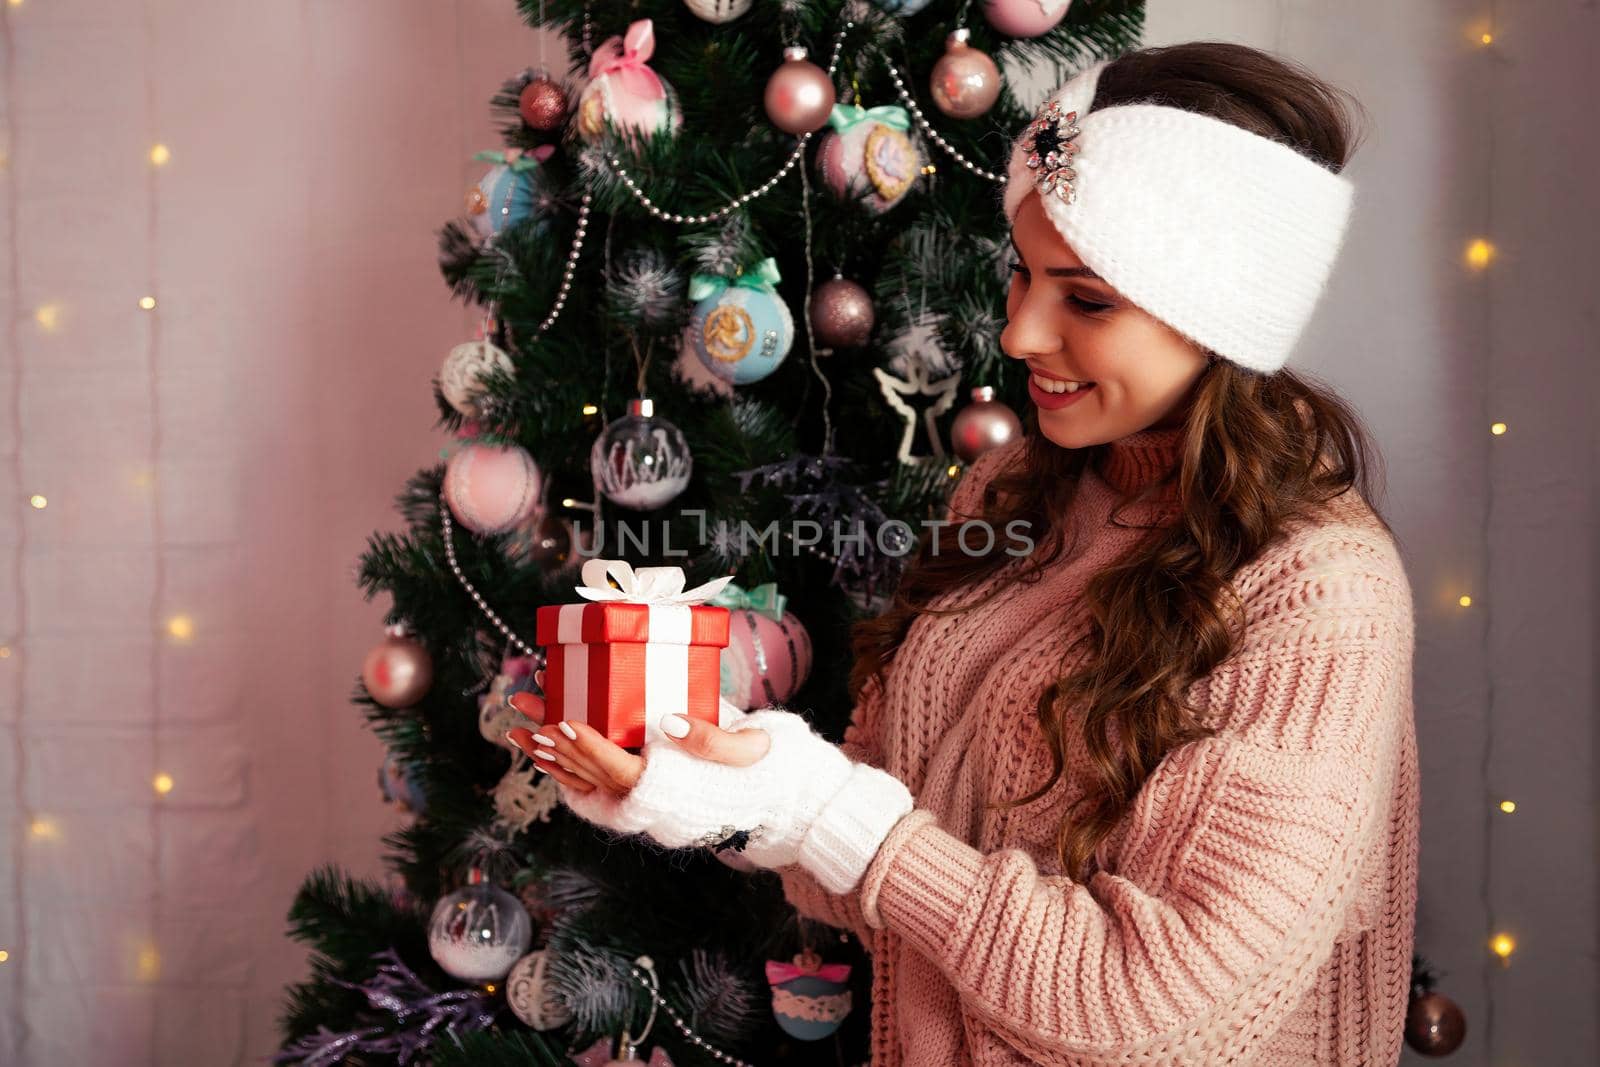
<point>160,155</point>
<point>162,783</point>
<point>180,627</point>
<point>953,470</point>
<point>1479,253</point>
<point>1465,602</point>
<point>148,303</point>
<point>1508,806</point>
<point>1487,38</point>
<point>5,651</point>
<point>38,501</point>
<point>568,502</point>
<point>1503,945</point>
<point>591,409</point>
<point>1498,429</point>
<point>4,955</point>
<point>48,317</point>
<point>148,967</point>
<point>44,829</point>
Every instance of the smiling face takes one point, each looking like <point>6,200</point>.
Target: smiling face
<point>1068,325</point>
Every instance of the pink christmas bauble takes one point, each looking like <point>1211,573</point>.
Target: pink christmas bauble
<point>606,98</point>
<point>871,157</point>
<point>491,488</point>
<point>799,94</point>
<point>965,82</point>
<point>398,671</point>
<point>1025,18</point>
<point>766,662</point>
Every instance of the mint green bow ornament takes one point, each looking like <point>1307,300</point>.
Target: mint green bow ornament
<point>763,599</point>
<point>845,116</point>
<point>517,163</point>
<point>763,276</point>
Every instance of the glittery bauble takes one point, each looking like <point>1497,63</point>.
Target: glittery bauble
<point>463,367</point>
<point>799,94</point>
<point>398,671</point>
<point>718,11</point>
<point>530,996</point>
<point>1435,1025</point>
<point>983,424</point>
<point>632,116</point>
<point>766,662</point>
<point>491,488</point>
<point>543,104</point>
<point>1025,18</point>
<point>965,82</point>
<point>641,461</point>
<point>543,540</point>
<point>869,157</point>
<point>741,334</point>
<point>842,314</point>
<point>478,933</point>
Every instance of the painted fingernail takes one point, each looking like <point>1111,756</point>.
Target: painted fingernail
<point>675,726</point>
<point>542,754</point>
<point>543,740</point>
<point>566,728</point>
<point>513,742</point>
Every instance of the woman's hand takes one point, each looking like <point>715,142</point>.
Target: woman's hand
<point>768,787</point>
<point>577,756</point>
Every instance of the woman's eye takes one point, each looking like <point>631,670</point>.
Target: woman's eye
<point>1088,307</point>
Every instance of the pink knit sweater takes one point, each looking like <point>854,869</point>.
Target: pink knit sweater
<point>1255,905</point>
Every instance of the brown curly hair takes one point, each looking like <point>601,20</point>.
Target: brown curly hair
<point>1258,451</point>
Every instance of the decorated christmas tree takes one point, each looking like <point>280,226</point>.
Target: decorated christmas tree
<point>741,271</point>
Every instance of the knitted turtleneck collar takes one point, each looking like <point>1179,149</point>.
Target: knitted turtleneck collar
<point>1135,461</point>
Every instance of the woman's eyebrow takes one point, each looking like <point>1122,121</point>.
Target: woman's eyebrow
<point>1060,272</point>
<point>1056,272</point>
<point>1072,272</point>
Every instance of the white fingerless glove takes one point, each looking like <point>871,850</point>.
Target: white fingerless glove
<point>803,802</point>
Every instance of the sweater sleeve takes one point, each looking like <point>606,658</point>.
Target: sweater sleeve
<point>1242,855</point>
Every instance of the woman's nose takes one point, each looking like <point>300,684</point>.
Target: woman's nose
<point>1030,331</point>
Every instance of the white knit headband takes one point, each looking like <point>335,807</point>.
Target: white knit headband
<point>1222,234</point>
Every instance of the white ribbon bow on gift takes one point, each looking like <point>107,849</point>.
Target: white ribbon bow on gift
<point>647,585</point>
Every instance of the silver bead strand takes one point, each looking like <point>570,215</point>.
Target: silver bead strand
<point>744,198</point>
<point>933,134</point>
<point>477,597</point>
<point>569,271</point>
<point>683,1027</point>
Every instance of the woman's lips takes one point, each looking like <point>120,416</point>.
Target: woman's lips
<point>1051,401</point>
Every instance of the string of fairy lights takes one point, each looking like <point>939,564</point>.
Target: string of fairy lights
<point>54,318</point>
<point>1480,256</point>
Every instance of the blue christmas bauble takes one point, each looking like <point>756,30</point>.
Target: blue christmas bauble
<point>742,334</point>
<point>503,197</point>
<point>397,781</point>
<point>903,7</point>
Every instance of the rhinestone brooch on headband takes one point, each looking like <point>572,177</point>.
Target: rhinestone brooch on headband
<point>1049,142</point>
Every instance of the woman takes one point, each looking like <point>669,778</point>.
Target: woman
<point>1149,793</point>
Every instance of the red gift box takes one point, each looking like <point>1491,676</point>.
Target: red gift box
<point>621,666</point>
